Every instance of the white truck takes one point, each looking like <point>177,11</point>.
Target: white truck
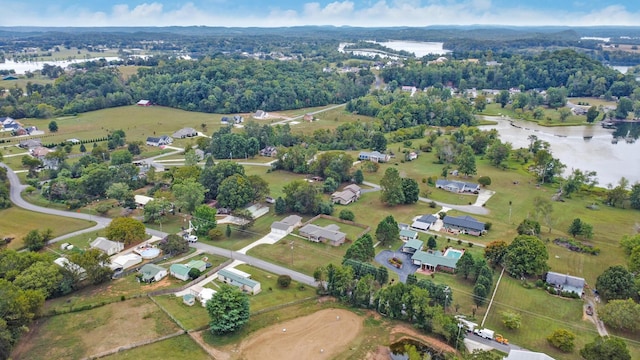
<point>485,333</point>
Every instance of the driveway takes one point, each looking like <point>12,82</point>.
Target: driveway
<point>407,266</point>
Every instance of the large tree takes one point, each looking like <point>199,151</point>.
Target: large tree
<point>387,230</point>
<point>228,310</point>
<point>391,183</point>
<point>616,282</point>
<point>302,197</point>
<point>235,192</point>
<point>495,252</point>
<point>212,176</point>
<point>465,264</point>
<point>204,219</point>
<point>621,314</point>
<point>610,348</point>
<point>95,263</point>
<point>189,194</point>
<point>127,230</point>
<point>466,160</point>
<point>410,190</point>
<point>498,152</point>
<point>174,244</point>
<point>526,256</point>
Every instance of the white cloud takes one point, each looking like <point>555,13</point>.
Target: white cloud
<point>375,13</point>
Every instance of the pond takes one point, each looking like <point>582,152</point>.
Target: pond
<point>402,349</point>
<point>612,153</point>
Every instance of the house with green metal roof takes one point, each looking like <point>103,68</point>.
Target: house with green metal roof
<point>406,235</point>
<point>434,261</point>
<point>412,246</point>
<point>152,272</point>
<point>197,264</point>
<point>179,271</point>
<point>236,279</point>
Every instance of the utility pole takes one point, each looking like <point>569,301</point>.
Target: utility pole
<point>447,290</point>
<point>291,244</point>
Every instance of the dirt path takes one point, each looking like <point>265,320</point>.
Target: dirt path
<point>321,335</point>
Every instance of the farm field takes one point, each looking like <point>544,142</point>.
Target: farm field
<point>86,333</point>
<point>16,223</point>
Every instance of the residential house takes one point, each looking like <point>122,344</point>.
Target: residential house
<point>412,156</point>
<point>411,246</point>
<point>463,224</point>
<point>107,246</point>
<point>30,143</point>
<point>144,103</point>
<point>63,262</point>
<point>40,152</point>
<point>179,271</point>
<point>197,264</point>
<point>407,235</point>
<point>189,299</point>
<point>307,117</point>
<point>260,114</point>
<point>526,355</point>
<point>330,233</point>
<point>7,120</point>
<point>458,186</point>
<point>567,283</point>
<point>269,151</point>
<point>435,260</point>
<point>185,133</point>
<point>234,278</point>
<point>126,261</point>
<point>152,272</point>
<point>225,120</point>
<point>20,131</point>
<point>424,222</point>
<point>286,225</point>
<point>159,141</point>
<point>205,295</point>
<point>349,194</point>
<point>374,156</point>
<point>142,200</point>
<point>237,119</point>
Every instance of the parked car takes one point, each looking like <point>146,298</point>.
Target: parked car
<point>589,310</point>
<point>191,238</point>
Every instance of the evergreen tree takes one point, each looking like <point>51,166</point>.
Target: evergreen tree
<point>392,192</point>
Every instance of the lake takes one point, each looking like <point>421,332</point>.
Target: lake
<point>22,67</point>
<point>579,147</point>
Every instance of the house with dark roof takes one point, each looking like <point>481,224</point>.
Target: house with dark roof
<point>564,282</point>
<point>374,156</point>
<point>458,186</point>
<point>424,222</point>
<point>225,120</point>
<point>185,133</point>
<point>330,234</point>
<point>30,144</point>
<point>463,224</point>
<point>349,194</point>
<point>269,151</point>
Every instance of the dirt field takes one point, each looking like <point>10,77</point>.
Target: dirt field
<point>321,335</point>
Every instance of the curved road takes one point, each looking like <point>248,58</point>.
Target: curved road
<point>102,222</point>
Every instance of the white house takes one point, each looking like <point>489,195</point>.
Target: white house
<point>152,272</point>
<point>142,200</point>
<point>125,261</point>
<point>244,283</point>
<point>107,246</point>
<point>179,271</point>
<point>286,225</point>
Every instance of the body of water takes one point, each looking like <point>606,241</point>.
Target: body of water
<point>22,67</point>
<point>579,147</point>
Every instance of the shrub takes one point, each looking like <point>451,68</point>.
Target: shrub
<point>215,234</point>
<point>470,244</point>
<point>432,204</point>
<point>284,281</point>
<point>562,339</point>
<point>459,242</point>
<point>539,283</point>
<point>347,215</point>
<point>487,226</point>
<point>102,208</point>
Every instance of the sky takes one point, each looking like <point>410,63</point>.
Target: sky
<point>275,13</point>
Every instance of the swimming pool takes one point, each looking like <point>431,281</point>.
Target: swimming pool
<point>453,253</point>
<point>150,253</point>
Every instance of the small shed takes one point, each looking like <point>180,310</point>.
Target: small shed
<point>189,300</point>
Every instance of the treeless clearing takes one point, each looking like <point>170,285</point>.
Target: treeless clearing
<point>322,335</point>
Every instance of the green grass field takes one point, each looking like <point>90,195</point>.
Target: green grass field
<point>182,347</point>
<point>16,223</point>
<point>551,117</point>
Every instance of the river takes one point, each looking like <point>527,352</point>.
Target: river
<point>578,147</point>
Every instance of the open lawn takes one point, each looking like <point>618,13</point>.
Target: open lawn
<point>191,317</point>
<point>541,314</point>
<point>590,101</point>
<point>551,117</point>
<point>179,347</point>
<point>305,257</point>
<point>81,334</point>
<point>16,223</point>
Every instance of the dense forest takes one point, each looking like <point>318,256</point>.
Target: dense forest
<point>581,75</point>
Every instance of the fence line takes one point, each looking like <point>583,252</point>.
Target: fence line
<point>133,346</point>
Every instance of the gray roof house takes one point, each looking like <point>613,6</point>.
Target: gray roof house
<point>260,114</point>
<point>158,141</point>
<point>527,355</point>
<point>30,144</point>
<point>234,278</point>
<point>374,156</point>
<point>185,133</point>
<point>458,186</point>
<point>286,225</point>
<point>107,246</point>
<point>424,222</point>
<point>349,194</point>
<point>463,224</point>
<point>564,282</point>
<point>329,233</point>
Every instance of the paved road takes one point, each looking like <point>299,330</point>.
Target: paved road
<point>102,222</point>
